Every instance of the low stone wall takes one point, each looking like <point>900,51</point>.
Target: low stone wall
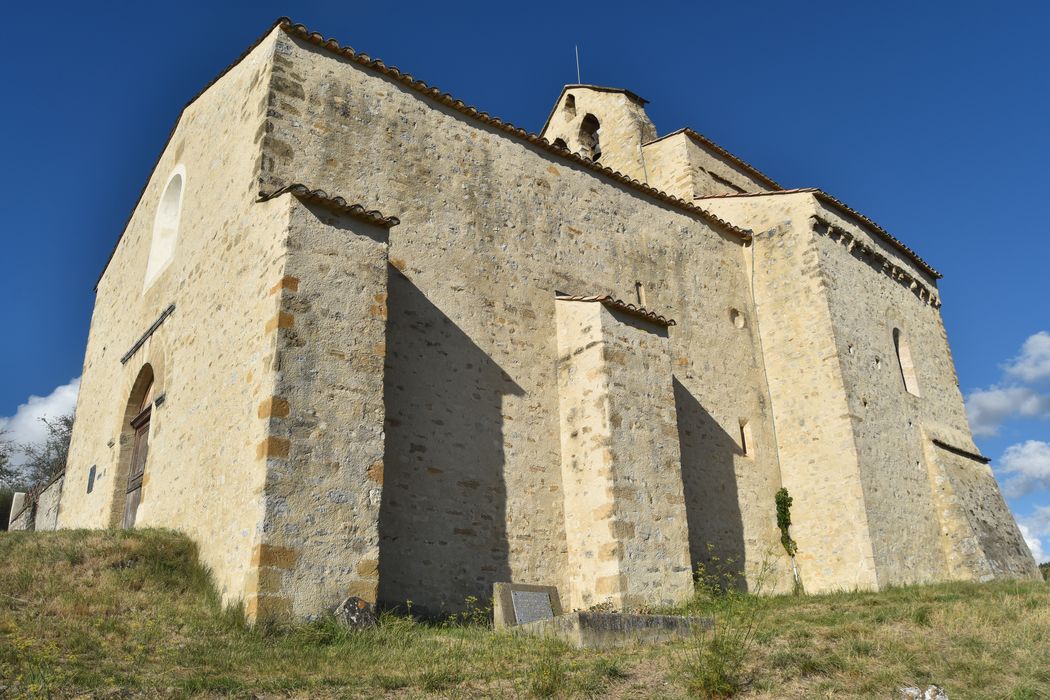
<point>38,509</point>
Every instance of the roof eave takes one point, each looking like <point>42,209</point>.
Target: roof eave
<point>850,213</point>
<point>333,202</point>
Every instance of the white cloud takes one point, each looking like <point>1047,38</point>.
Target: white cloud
<point>1039,521</point>
<point>1033,364</point>
<point>987,409</point>
<point>25,425</point>
<point>1034,543</point>
<point>1026,467</point>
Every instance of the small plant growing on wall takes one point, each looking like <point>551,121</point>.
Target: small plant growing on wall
<point>784,501</point>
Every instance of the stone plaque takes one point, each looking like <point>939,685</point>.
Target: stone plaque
<point>519,603</point>
<point>530,606</point>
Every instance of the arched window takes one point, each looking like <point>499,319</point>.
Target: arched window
<point>570,106</point>
<point>900,344</point>
<point>589,130</point>
<point>166,226</point>
<point>559,143</point>
<point>746,443</point>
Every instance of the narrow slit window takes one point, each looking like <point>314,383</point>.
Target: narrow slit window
<point>746,445</point>
<point>904,359</point>
<point>639,291</point>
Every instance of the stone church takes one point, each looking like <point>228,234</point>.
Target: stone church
<point>359,338</point>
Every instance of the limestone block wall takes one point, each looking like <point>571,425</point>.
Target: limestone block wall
<point>38,509</point>
<point>879,300</point>
<point>212,358</point>
<point>668,166</point>
<point>814,427</point>
<point>624,126</point>
<point>324,449</point>
<point>491,227</point>
<point>625,520</point>
<point>685,165</point>
<point>592,532</point>
<point>16,513</point>
<point>875,310</point>
<point>47,504</point>
<point>981,538</point>
<point>21,516</point>
<point>866,306</point>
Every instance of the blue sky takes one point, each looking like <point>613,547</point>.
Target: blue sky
<point>932,118</point>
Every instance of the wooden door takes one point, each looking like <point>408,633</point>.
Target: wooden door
<point>138,466</point>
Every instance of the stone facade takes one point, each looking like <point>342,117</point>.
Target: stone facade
<point>348,404</point>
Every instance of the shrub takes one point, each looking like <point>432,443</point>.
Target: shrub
<point>548,675</point>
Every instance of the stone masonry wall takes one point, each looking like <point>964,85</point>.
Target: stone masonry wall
<point>324,451</point>
<point>647,494</point>
<point>982,538</point>
<point>815,435</point>
<point>680,165</point>
<point>491,228</point>
<point>624,127</point>
<point>866,306</point>
<point>37,510</point>
<point>920,528</point>
<point>591,535</point>
<point>868,303</point>
<point>212,357</point>
<point>626,526</point>
<point>47,505</point>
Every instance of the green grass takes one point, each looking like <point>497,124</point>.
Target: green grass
<point>134,615</point>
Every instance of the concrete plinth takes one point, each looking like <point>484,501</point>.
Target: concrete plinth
<point>597,630</point>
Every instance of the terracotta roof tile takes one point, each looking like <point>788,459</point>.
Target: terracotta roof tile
<point>444,98</point>
<point>621,305</point>
<point>335,203</point>
<point>850,213</point>
<point>302,32</point>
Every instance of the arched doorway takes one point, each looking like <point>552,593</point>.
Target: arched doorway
<point>137,417</point>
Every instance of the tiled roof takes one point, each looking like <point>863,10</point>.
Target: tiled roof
<point>621,305</point>
<point>433,93</point>
<point>335,203</point>
<point>704,141</point>
<point>600,88</point>
<point>850,213</point>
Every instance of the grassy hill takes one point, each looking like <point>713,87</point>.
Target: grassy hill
<point>118,614</point>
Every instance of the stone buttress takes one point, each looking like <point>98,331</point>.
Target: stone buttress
<point>324,451</point>
<point>625,519</point>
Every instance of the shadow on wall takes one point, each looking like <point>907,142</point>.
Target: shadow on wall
<point>716,526</point>
<point>442,521</point>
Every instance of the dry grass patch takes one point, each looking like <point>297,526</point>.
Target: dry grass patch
<point>133,614</point>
